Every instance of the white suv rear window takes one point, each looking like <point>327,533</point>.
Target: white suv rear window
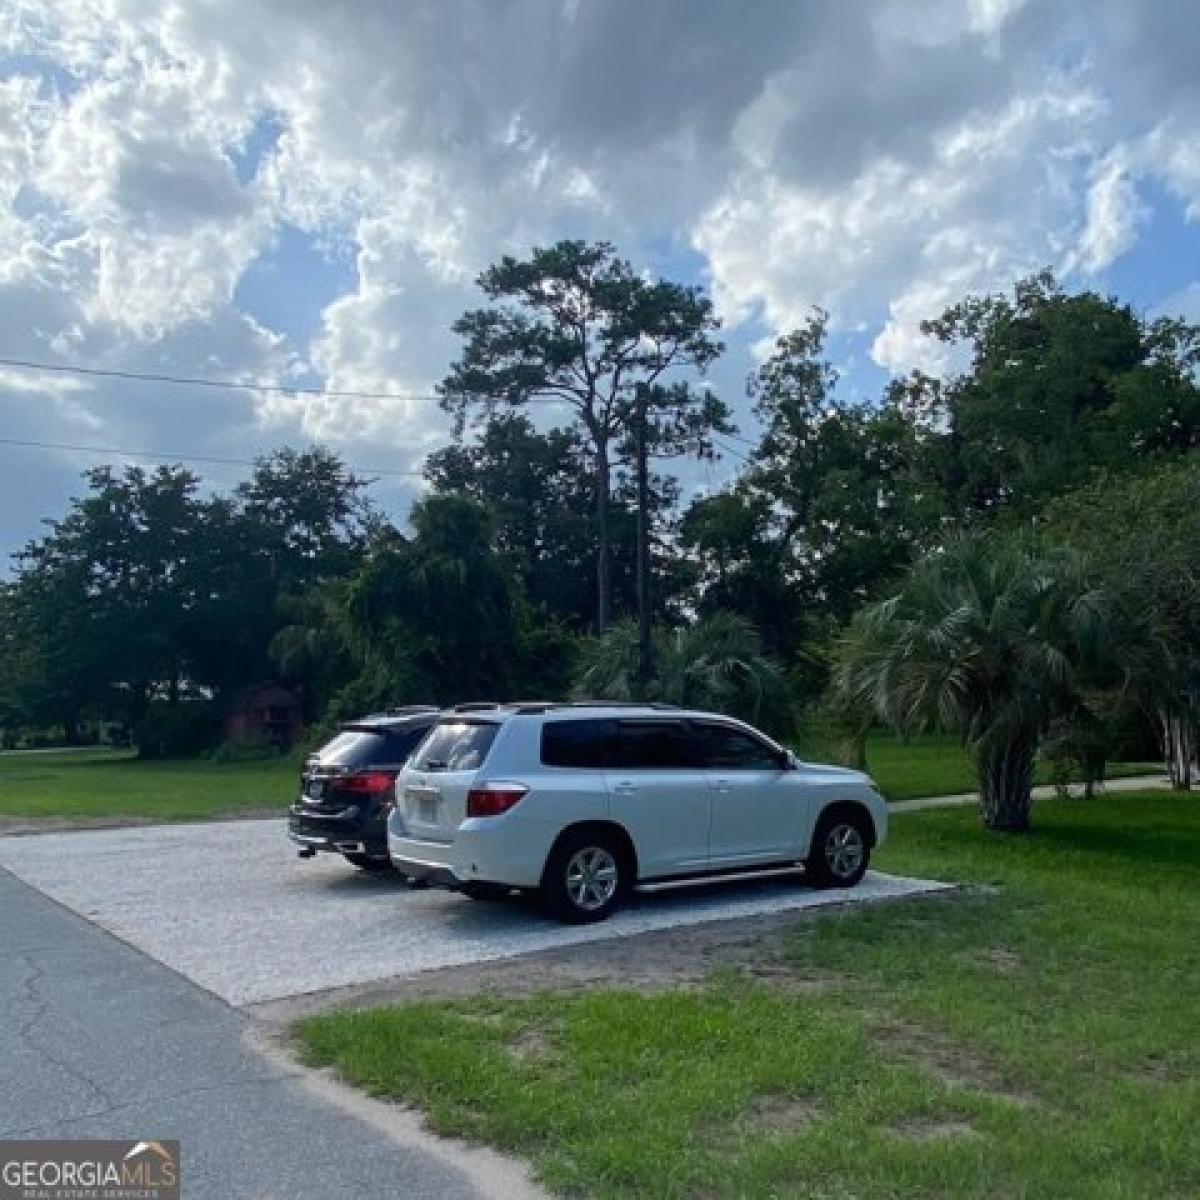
<point>456,746</point>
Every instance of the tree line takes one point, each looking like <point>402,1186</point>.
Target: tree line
<point>1010,552</point>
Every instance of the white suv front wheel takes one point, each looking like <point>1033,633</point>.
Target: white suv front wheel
<point>841,849</point>
<point>586,877</point>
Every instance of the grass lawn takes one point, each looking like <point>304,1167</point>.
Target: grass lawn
<point>106,783</point>
<point>1035,1037</point>
<point>103,783</point>
<point>938,765</point>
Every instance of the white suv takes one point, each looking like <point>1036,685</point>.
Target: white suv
<point>581,802</point>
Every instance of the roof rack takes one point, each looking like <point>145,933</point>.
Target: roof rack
<point>533,707</point>
<point>387,714</point>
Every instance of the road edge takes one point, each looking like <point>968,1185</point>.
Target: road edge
<point>486,1169</point>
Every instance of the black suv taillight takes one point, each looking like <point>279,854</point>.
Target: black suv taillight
<point>368,783</point>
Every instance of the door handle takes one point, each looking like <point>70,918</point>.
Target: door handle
<point>722,785</point>
<point>625,787</point>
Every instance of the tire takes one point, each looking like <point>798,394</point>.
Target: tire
<point>840,851</point>
<point>487,892</point>
<point>586,877</point>
<point>367,862</point>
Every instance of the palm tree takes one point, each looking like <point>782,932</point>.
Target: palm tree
<point>993,638</point>
<point>716,663</point>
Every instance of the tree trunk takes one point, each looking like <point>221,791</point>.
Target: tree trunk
<point>645,643</point>
<point>1006,783</point>
<point>602,574</point>
<point>1178,748</point>
<point>854,751</point>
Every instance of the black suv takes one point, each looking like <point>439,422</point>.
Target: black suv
<point>346,787</point>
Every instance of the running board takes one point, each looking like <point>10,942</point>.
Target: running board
<point>737,875</point>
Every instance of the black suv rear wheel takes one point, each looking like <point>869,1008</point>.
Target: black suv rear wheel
<point>368,862</point>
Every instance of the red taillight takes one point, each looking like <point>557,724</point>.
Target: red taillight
<point>493,799</point>
<point>370,783</point>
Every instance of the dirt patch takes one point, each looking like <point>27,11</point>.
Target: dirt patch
<point>923,1129</point>
<point>766,1116</point>
<point>785,978</point>
<point>1158,1071</point>
<point>782,1114</point>
<point>665,959</point>
<point>531,1044</point>
<point>953,1064</point>
<point>1007,962</point>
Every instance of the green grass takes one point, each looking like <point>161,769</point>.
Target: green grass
<point>938,765</point>
<point>104,783</point>
<point>1033,1038</point>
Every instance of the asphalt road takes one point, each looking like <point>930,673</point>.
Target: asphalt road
<point>231,907</point>
<point>100,1041</point>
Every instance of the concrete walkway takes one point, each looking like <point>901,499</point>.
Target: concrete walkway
<point>1131,783</point>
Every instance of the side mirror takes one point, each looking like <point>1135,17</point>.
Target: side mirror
<point>788,761</point>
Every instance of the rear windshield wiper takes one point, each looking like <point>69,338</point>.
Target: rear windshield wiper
<point>434,764</point>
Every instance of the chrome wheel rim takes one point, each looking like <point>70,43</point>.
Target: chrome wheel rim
<point>591,878</point>
<point>844,850</point>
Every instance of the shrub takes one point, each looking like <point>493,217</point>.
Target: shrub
<point>716,663</point>
<point>180,730</point>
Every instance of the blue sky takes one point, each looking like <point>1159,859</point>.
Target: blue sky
<point>304,191</point>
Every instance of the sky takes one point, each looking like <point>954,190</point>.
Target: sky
<point>304,191</point>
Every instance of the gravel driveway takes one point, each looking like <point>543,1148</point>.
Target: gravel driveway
<point>231,907</point>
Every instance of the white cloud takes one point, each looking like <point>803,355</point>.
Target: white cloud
<point>876,159</point>
<point>1113,213</point>
<point>906,240</point>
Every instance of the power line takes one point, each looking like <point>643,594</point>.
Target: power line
<point>731,450</point>
<point>162,455</point>
<point>197,381</point>
<point>242,385</point>
<point>737,437</point>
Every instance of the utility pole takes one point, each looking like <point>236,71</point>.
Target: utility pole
<point>645,643</point>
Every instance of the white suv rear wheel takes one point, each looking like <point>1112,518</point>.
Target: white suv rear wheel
<point>586,877</point>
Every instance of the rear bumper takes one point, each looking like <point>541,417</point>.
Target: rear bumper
<point>473,857</point>
<point>336,845</point>
<point>339,836</point>
<point>433,873</point>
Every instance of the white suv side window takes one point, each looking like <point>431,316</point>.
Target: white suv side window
<point>729,749</point>
<point>587,743</point>
<point>651,745</point>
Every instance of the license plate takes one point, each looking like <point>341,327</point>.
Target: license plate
<point>422,805</point>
